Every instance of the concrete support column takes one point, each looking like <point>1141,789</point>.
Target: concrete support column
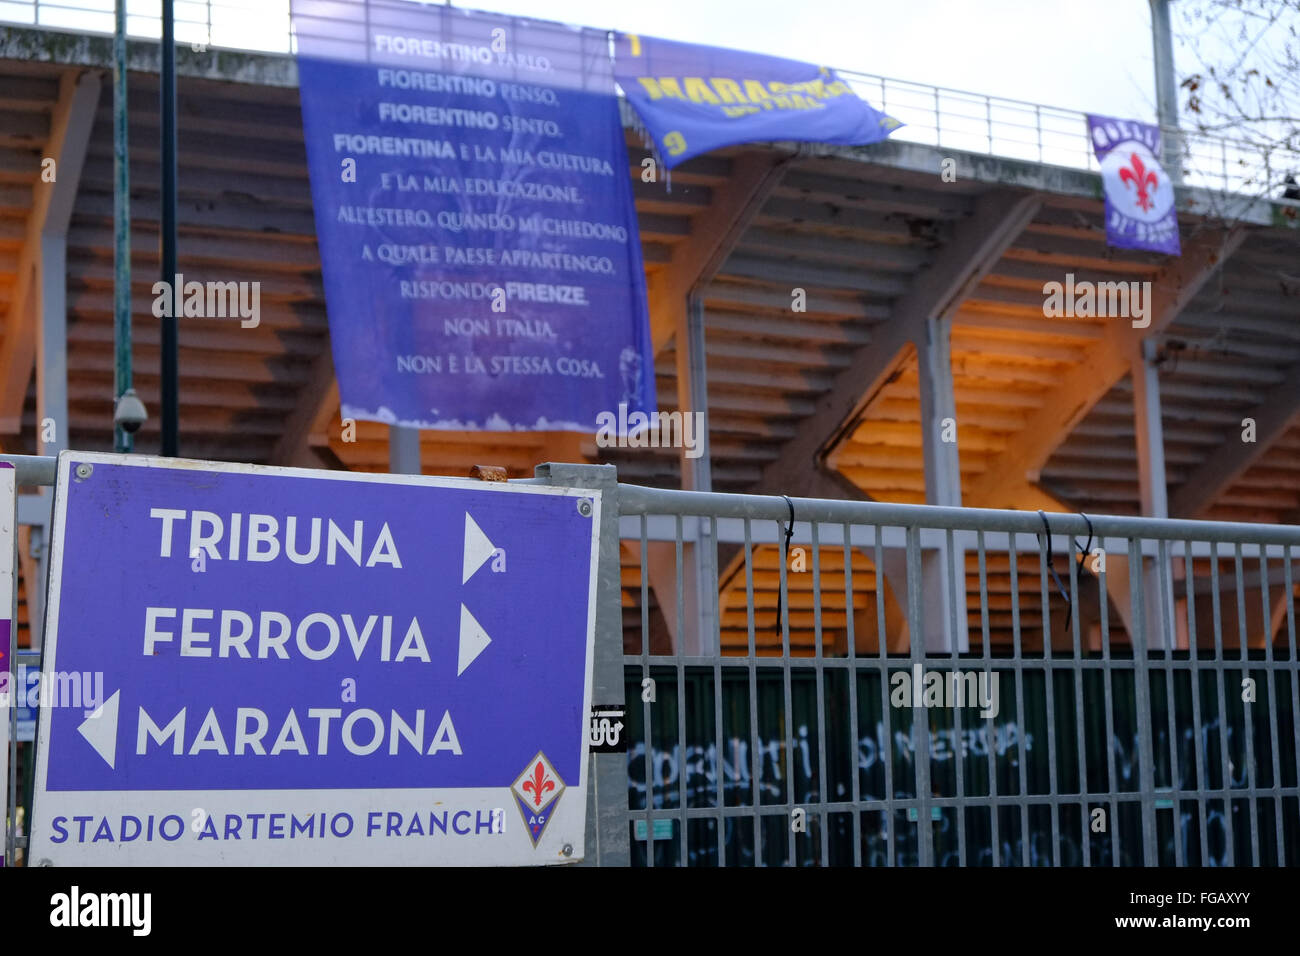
<point>699,557</point>
<point>1158,608</point>
<point>938,415</point>
<point>945,601</point>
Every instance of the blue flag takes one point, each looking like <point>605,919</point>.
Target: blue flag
<point>694,99</point>
<point>478,238</point>
<point>1141,211</point>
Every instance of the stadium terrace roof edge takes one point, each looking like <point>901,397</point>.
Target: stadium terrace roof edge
<point>69,48</point>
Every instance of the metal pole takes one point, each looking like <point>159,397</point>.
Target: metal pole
<point>404,450</point>
<point>122,440</point>
<point>167,232</point>
<point>1166,89</point>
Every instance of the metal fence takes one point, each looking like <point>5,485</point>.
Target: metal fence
<point>1145,695</point>
<point>936,116</point>
<point>1128,687</point>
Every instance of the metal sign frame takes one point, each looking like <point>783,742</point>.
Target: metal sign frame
<point>571,818</point>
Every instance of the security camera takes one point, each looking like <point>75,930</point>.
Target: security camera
<point>130,413</point>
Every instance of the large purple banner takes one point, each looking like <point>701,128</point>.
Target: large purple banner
<point>1140,210</point>
<point>474,212</point>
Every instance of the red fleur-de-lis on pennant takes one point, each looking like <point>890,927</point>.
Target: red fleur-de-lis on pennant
<point>538,784</point>
<point>1141,177</point>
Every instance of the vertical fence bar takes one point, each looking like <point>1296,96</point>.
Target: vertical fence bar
<point>823,814</point>
<point>1295,664</point>
<point>1107,669</point>
<point>956,710</point>
<point>989,728</point>
<point>680,653</point>
<point>920,719</point>
<point>1052,787</point>
<point>756,764</point>
<point>855,738</point>
<point>1198,741</point>
<point>1270,681</point>
<point>718,772</point>
<point>1017,656</point>
<point>645,700</point>
<point>1085,847</point>
<point>1243,641</point>
<point>1165,583</point>
<point>784,623</point>
<point>1142,699</point>
<point>882,648</point>
<point>1221,677</point>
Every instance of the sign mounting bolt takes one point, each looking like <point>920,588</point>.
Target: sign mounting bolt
<point>568,849</point>
<point>584,507</point>
<point>84,470</point>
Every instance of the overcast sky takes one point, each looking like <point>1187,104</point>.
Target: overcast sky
<point>1087,55</point>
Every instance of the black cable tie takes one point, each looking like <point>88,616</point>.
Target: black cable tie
<point>1086,549</point>
<point>1051,567</point>
<point>785,561</point>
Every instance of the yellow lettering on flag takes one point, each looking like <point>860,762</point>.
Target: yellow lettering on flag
<point>697,91</point>
<point>659,88</point>
<point>728,90</point>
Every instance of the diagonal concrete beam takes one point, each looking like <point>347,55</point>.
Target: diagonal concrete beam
<point>1274,417</point>
<point>714,233</point>
<point>47,226</point>
<point>1105,363</point>
<point>935,294</point>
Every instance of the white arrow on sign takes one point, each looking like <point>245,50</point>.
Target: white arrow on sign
<point>472,640</point>
<point>100,729</point>
<point>477,549</point>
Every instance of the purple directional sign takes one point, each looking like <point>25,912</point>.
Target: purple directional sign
<point>289,666</point>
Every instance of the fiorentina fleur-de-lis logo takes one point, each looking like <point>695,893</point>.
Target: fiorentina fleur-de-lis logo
<point>538,783</point>
<point>537,792</point>
<point>1137,174</point>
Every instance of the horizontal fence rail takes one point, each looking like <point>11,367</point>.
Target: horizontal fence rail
<point>933,115</point>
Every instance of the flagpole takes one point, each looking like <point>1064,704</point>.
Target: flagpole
<point>1162,43</point>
